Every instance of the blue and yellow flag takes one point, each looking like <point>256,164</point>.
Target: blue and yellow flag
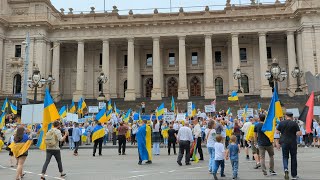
<point>144,142</point>
<point>116,111</point>
<point>50,114</point>
<point>109,113</point>
<point>2,120</point>
<point>229,131</point>
<point>21,147</point>
<point>127,116</point>
<point>245,113</point>
<point>13,108</point>
<point>72,107</point>
<point>234,96</point>
<point>109,105</point>
<point>194,110</point>
<point>259,107</point>
<point>160,110</point>
<point>81,106</point>
<point>274,114</point>
<point>5,105</point>
<point>63,112</point>
<point>228,111</point>
<point>173,107</point>
<point>101,116</point>
<point>98,132</point>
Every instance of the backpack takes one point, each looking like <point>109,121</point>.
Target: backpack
<point>51,139</point>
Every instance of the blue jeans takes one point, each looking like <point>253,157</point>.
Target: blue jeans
<point>235,165</point>
<point>156,148</point>
<point>292,149</point>
<point>105,139</point>
<point>165,141</point>
<point>71,143</point>
<point>211,158</point>
<point>216,166</point>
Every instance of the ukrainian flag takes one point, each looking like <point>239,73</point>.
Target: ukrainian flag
<point>101,116</point>
<point>63,112</point>
<point>72,107</point>
<point>228,111</point>
<point>50,114</point>
<point>2,120</point>
<point>81,106</point>
<point>127,116</point>
<point>234,96</point>
<point>144,142</point>
<point>194,111</point>
<point>173,107</point>
<point>5,105</point>
<point>274,114</point>
<point>259,107</point>
<point>13,108</point>
<point>109,113</point>
<point>116,111</point>
<point>98,132</point>
<point>245,113</point>
<point>228,131</point>
<point>109,105</point>
<point>21,147</point>
<point>160,110</point>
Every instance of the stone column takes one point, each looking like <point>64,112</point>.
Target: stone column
<point>317,45</point>
<point>1,62</point>
<point>137,71</point>
<point>55,90</point>
<point>113,72</point>
<point>291,63</point>
<point>130,94</point>
<point>303,84</point>
<point>308,51</point>
<point>209,90</point>
<point>235,58</point>
<point>49,59</point>
<point>265,89</point>
<point>183,90</point>
<point>156,90</point>
<point>41,55</point>
<point>80,72</point>
<point>105,66</point>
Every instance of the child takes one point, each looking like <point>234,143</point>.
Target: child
<point>219,157</point>
<point>233,151</point>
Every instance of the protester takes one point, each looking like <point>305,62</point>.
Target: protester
<point>122,131</point>
<point>245,129</point>
<point>144,143</point>
<point>211,139</point>
<point>233,152</point>
<point>184,139</point>
<point>54,149</point>
<point>289,131</point>
<point>219,157</point>
<point>106,131</point>
<point>156,139</point>
<point>97,138</point>
<point>197,135</point>
<point>70,139</point>
<point>164,133</point>
<point>172,139</point>
<point>76,138</point>
<point>134,130</point>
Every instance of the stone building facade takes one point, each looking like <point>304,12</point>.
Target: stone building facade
<point>161,54</point>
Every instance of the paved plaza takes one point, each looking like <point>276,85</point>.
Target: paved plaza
<point>111,166</point>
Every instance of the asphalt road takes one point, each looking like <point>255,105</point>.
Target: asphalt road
<point>111,166</point>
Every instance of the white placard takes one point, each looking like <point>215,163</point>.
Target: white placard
<point>102,105</point>
<point>190,109</point>
<point>93,109</point>
<point>316,110</point>
<point>169,116</point>
<point>72,117</point>
<point>165,110</point>
<point>209,108</point>
<point>181,117</point>
<point>32,113</point>
<point>295,112</point>
<point>249,113</point>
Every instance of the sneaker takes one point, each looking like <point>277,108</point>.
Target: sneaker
<point>253,159</point>
<point>295,177</point>
<point>272,172</point>
<point>223,175</point>
<point>257,166</point>
<point>247,157</point>
<point>265,173</point>
<point>215,177</point>
<point>149,162</point>
<point>286,174</point>
<point>180,164</point>
<point>63,175</point>
<point>139,163</point>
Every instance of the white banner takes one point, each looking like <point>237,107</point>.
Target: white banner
<point>102,105</point>
<point>189,108</point>
<point>93,109</point>
<point>316,110</point>
<point>72,117</point>
<point>295,112</point>
<point>249,113</point>
<point>32,113</point>
<point>209,108</point>
<point>181,117</point>
<point>169,116</point>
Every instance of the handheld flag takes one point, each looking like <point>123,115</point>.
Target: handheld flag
<point>116,111</point>
<point>109,105</point>
<point>172,104</point>
<point>97,133</point>
<point>50,114</point>
<point>234,96</point>
<point>245,113</point>
<point>101,116</point>
<point>13,108</point>
<point>307,114</point>
<point>72,107</point>
<point>194,111</point>
<point>81,106</point>
<point>127,116</point>
<point>5,105</point>
<point>259,107</point>
<point>63,112</point>
<point>228,111</point>
<point>109,113</point>
<point>274,113</point>
<point>160,110</point>
<point>194,151</point>
<point>2,120</point>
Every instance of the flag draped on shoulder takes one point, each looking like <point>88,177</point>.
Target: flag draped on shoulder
<point>50,114</point>
<point>98,132</point>
<point>307,114</point>
<point>127,116</point>
<point>13,108</point>
<point>63,112</point>
<point>4,105</point>
<point>72,107</point>
<point>233,96</point>
<point>21,147</point>
<point>144,142</point>
<point>160,110</point>
<point>274,113</point>
<point>101,116</point>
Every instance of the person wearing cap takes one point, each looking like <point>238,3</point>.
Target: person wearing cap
<point>289,131</point>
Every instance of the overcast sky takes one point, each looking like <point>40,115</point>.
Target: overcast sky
<point>125,5</point>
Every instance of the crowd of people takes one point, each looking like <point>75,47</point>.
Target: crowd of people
<point>224,135</point>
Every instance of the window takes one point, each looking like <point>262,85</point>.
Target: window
<point>171,59</point>
<point>17,51</point>
<point>194,58</point>
<point>125,87</point>
<point>149,59</point>
<point>125,58</point>
<point>245,83</point>
<point>100,60</point>
<point>269,53</point>
<point>17,84</point>
<point>243,54</point>
<point>219,85</point>
<point>217,56</point>
<point>100,87</point>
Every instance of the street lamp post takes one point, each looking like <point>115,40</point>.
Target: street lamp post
<point>36,82</point>
<point>102,79</point>
<point>50,81</point>
<point>297,73</point>
<point>237,75</point>
<point>276,74</point>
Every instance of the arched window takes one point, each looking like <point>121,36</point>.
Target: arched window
<point>245,83</point>
<point>219,85</point>
<point>17,84</point>
<point>149,86</point>
<point>172,87</point>
<point>125,87</point>
<point>195,87</point>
